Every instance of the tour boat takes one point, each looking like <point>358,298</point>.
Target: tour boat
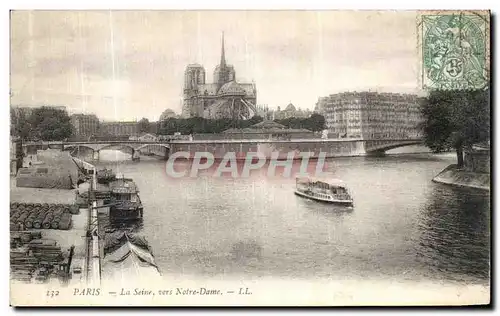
<point>329,191</point>
<point>125,201</point>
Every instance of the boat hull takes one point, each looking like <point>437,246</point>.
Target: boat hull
<point>125,215</point>
<point>336,202</point>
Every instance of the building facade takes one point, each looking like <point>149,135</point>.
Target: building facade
<point>85,125</point>
<point>119,129</point>
<point>223,98</point>
<point>371,115</point>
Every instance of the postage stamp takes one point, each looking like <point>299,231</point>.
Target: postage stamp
<point>454,49</point>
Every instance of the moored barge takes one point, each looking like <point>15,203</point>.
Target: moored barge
<point>125,201</point>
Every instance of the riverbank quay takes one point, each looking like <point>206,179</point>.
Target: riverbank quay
<point>116,253</point>
<point>475,172</point>
<point>73,238</point>
<point>454,176</point>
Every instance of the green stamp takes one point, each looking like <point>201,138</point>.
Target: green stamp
<point>455,51</point>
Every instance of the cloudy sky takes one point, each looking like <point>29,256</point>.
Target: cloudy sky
<point>124,65</point>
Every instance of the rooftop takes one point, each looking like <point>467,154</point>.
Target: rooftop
<point>122,185</point>
<point>330,182</point>
<point>232,88</point>
<point>266,127</point>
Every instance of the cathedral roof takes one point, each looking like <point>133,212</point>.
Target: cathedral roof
<point>248,87</point>
<point>210,88</point>
<point>194,66</point>
<point>231,88</point>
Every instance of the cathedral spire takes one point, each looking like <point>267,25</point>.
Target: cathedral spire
<point>223,55</point>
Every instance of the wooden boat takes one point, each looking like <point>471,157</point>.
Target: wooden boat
<point>105,176</point>
<point>125,200</point>
<point>328,191</point>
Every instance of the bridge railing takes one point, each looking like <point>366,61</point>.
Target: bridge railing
<point>222,141</point>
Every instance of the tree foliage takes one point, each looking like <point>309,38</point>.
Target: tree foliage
<point>144,125</point>
<point>20,125</point>
<point>315,122</point>
<point>456,120</point>
<point>199,125</point>
<point>44,123</point>
<point>50,124</point>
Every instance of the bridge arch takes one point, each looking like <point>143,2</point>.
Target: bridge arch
<point>146,145</point>
<point>72,147</point>
<point>381,146</point>
<point>155,150</point>
<point>117,146</point>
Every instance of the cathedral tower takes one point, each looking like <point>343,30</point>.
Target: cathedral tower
<point>194,76</point>
<point>223,73</point>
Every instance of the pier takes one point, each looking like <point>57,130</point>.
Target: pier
<point>92,270</point>
<point>97,260</point>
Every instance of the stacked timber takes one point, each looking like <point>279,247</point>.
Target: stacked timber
<point>37,260</point>
<point>20,238</point>
<point>45,250</point>
<point>41,216</point>
<point>22,266</point>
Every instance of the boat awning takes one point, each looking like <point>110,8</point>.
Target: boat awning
<point>330,182</point>
<point>130,262</point>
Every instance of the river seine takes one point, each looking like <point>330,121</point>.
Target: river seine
<point>403,226</point>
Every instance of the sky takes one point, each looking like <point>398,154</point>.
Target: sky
<point>125,65</point>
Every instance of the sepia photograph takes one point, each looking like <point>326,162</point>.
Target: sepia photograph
<point>250,158</point>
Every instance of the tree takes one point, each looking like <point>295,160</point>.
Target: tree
<point>199,125</point>
<point>48,124</point>
<point>144,126</point>
<point>316,122</point>
<point>20,124</point>
<point>456,119</point>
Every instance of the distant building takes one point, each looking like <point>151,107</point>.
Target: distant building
<point>168,113</point>
<point>371,115</point>
<point>119,128</point>
<point>224,98</point>
<point>85,125</point>
<point>291,111</point>
<point>145,137</point>
<point>264,112</point>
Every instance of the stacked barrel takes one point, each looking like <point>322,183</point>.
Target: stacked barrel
<point>41,216</point>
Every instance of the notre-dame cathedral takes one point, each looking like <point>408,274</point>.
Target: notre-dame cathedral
<point>224,98</point>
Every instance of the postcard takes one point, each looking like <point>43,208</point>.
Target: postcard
<point>250,158</point>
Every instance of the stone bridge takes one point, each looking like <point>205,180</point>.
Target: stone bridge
<point>380,146</point>
<point>332,147</point>
<point>133,147</point>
